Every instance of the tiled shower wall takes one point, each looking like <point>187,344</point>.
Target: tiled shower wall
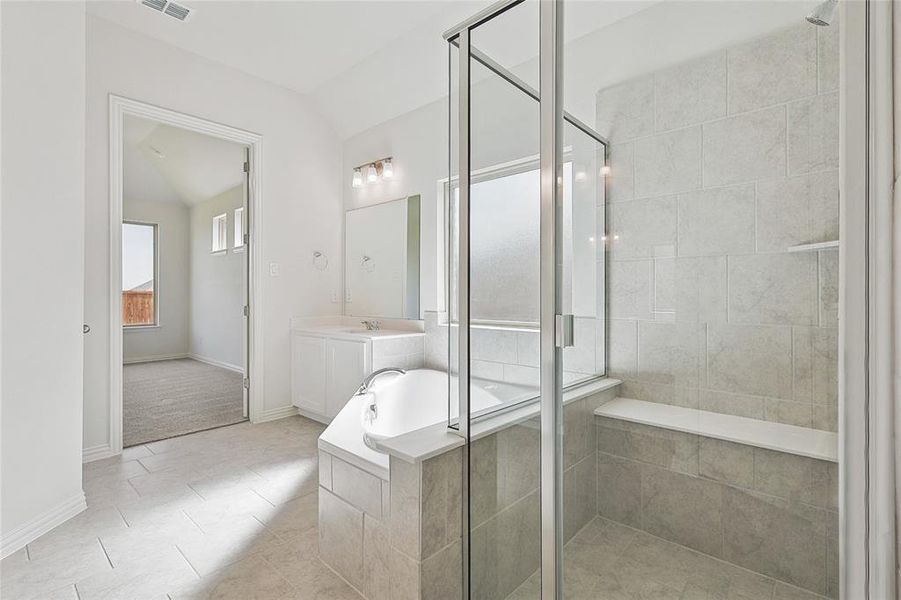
<point>718,166</point>
<point>511,355</point>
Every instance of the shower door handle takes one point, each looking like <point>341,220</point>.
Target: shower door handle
<point>564,330</point>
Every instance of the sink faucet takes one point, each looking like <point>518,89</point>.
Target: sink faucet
<point>371,325</point>
<point>364,387</point>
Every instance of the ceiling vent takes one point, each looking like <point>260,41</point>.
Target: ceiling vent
<point>172,9</point>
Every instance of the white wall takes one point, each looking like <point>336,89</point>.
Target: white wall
<point>42,269</point>
<point>302,207</point>
<point>170,337</point>
<point>217,284</point>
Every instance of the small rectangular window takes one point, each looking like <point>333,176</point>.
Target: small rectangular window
<point>220,233</point>
<point>139,306</point>
<point>239,228</point>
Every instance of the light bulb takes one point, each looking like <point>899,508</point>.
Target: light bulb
<point>605,170</point>
<point>358,177</point>
<point>371,175</point>
<point>387,169</point>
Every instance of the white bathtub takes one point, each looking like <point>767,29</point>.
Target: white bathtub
<point>403,403</point>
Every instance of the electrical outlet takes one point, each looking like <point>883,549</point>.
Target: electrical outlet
<point>335,299</point>
<point>347,296</point>
<point>275,269</point>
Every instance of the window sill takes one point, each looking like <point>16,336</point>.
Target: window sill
<point>140,327</point>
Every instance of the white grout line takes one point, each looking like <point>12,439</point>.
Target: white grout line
<point>187,561</point>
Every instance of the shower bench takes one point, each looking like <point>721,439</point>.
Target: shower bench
<point>757,494</point>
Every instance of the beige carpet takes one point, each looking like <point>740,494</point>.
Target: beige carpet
<point>167,398</point>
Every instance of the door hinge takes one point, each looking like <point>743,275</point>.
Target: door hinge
<point>246,383</point>
<point>564,330</point>
<point>246,310</point>
<point>246,167</point>
<point>246,239</point>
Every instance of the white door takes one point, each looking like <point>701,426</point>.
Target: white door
<point>308,370</point>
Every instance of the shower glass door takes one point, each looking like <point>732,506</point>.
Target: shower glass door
<point>526,268</point>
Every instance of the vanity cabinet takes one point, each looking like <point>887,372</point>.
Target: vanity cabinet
<point>325,372</point>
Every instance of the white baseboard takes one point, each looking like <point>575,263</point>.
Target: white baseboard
<point>216,363</point>
<point>158,357</point>
<point>16,539</point>
<point>314,416</point>
<point>276,413</point>
<point>96,453</point>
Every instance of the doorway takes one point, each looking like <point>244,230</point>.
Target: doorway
<point>183,223</point>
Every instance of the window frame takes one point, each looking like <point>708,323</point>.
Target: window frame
<point>238,229</point>
<point>219,234</point>
<point>156,275</point>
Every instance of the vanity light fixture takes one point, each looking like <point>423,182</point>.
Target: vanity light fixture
<point>375,171</point>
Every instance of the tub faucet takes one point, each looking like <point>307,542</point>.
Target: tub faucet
<point>364,387</point>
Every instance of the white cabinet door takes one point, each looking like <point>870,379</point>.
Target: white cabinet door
<point>347,366</point>
<point>308,373</point>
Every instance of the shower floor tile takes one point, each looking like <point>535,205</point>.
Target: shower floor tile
<point>611,561</point>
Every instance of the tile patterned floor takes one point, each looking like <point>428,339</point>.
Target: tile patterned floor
<point>610,561</point>
<point>232,513</point>
<point>225,513</point>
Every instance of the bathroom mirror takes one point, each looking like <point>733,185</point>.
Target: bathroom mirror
<point>381,260</point>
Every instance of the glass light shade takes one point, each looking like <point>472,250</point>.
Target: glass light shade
<point>387,169</point>
<point>371,174</point>
<point>358,178</point>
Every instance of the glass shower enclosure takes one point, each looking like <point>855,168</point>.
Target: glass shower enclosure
<point>642,232</point>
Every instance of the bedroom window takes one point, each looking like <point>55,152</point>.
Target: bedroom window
<point>220,233</point>
<point>139,275</point>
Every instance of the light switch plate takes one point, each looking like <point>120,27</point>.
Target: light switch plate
<point>275,269</point>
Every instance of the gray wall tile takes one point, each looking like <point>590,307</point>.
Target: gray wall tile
<point>619,489</point>
<point>798,210</point>
<point>827,58</point>
<point>727,462</point>
<point>441,501</point>
<point>748,359</point>
<point>740,405</point>
<point>361,489</point>
<point>496,345</point>
<point>643,228</point>
<point>784,541</point>
<point>630,289</point>
<point>626,111</point>
<point>813,134</point>
<point>341,537</point>
<point>773,289</point>
<point>623,362</point>
<point>772,69</point>
<point>405,505</point>
<point>442,574</point>
<point>671,353</point>
<point>621,180</point>
<point>789,412</point>
<point>697,523</point>
<point>668,163</point>
<point>691,92</point>
<point>664,285</point>
<point>700,288</point>
<point>376,559</point>
<point>828,287</point>
<point>717,221</point>
<point>745,147</point>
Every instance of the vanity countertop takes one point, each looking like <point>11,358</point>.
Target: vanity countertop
<point>352,328</point>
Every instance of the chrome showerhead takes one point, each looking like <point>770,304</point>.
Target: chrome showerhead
<point>824,13</point>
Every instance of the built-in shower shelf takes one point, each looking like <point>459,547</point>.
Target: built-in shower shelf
<point>813,247</point>
<point>802,441</point>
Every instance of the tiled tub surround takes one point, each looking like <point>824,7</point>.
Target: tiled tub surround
<point>400,538</point>
<point>771,512</point>
<point>510,354</point>
<point>718,166</point>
